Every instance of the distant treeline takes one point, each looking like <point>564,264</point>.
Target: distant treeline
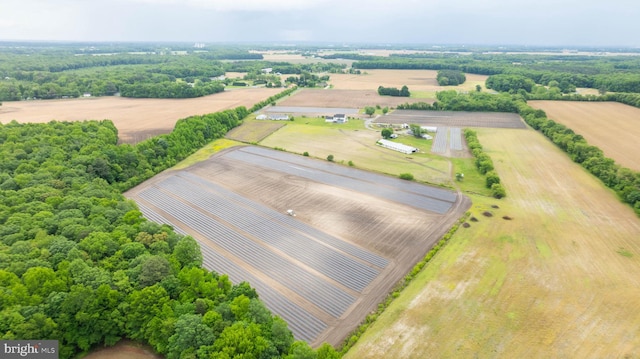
<point>617,74</point>
<point>55,73</point>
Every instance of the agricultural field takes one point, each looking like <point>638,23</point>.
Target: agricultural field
<point>557,278</point>
<point>253,131</point>
<point>344,98</point>
<point>135,119</point>
<point>613,127</point>
<point>354,142</point>
<point>453,118</point>
<point>416,80</point>
<point>353,236</point>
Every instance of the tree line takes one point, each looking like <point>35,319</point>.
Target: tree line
<point>616,74</point>
<point>484,164</point>
<point>79,263</point>
<point>394,91</point>
<point>450,77</point>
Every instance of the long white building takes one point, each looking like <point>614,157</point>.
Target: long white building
<point>397,146</point>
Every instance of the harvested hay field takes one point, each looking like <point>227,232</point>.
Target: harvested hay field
<point>344,98</point>
<point>560,280</point>
<point>135,119</point>
<point>353,236</point>
<point>415,80</point>
<point>613,127</point>
<point>453,119</point>
<point>254,131</point>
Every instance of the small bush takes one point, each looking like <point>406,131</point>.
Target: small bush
<point>330,158</point>
<point>406,176</point>
<point>306,154</point>
<point>498,191</point>
<point>351,164</point>
<point>492,177</point>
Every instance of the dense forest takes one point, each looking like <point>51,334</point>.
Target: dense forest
<point>79,263</point>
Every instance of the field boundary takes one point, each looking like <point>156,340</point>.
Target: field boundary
<point>353,338</point>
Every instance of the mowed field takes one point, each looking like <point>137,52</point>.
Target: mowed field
<point>558,280</point>
<point>613,127</point>
<point>353,142</point>
<point>354,236</point>
<point>135,119</point>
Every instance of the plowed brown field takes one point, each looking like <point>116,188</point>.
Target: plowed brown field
<point>613,127</point>
<point>135,119</point>
<point>345,98</point>
<point>415,80</point>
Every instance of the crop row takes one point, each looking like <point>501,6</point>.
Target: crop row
<point>455,138</point>
<point>312,288</point>
<point>335,265</point>
<point>303,325</point>
<point>287,220</point>
<point>440,142</point>
<point>416,195</point>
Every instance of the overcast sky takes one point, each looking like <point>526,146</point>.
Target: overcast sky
<point>482,22</point>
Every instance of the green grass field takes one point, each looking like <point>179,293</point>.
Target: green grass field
<point>353,142</point>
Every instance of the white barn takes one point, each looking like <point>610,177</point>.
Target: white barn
<point>397,146</point>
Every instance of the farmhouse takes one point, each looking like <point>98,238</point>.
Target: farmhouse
<point>396,146</point>
<point>340,118</point>
<point>337,118</point>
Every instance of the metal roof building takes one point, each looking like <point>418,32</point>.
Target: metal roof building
<point>396,146</point>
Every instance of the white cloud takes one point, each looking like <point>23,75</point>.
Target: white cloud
<point>240,5</point>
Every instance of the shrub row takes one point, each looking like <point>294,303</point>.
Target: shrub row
<point>273,98</point>
<point>371,318</point>
<point>484,164</point>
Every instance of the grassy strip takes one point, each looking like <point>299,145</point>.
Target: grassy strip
<point>484,164</point>
<point>371,318</point>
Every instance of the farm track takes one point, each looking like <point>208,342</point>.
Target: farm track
<point>355,234</point>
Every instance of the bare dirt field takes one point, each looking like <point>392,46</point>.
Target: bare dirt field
<point>557,280</point>
<point>415,80</point>
<point>135,119</point>
<point>344,98</point>
<point>125,349</point>
<point>353,236</point>
<point>453,118</point>
<point>613,127</point>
